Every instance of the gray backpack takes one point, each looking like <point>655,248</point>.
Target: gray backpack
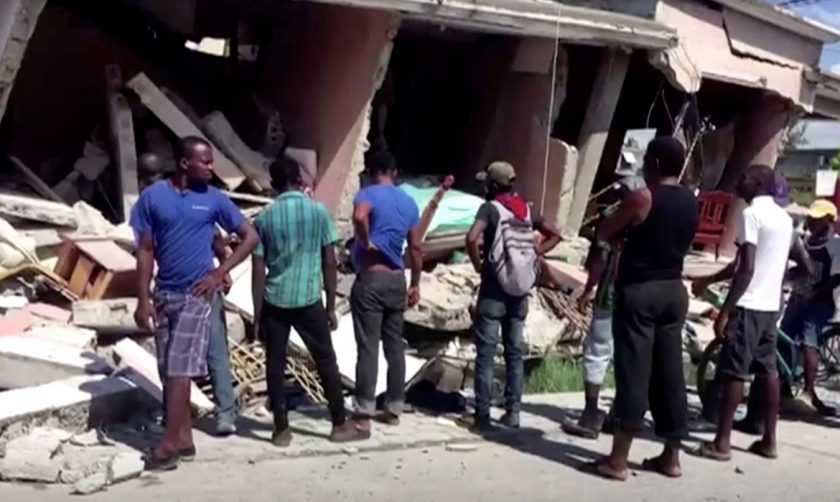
<point>513,256</point>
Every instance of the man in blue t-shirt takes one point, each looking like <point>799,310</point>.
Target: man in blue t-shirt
<point>175,222</point>
<point>383,217</point>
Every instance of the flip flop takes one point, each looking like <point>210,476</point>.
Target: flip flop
<point>601,469</point>
<point>573,428</point>
<point>757,449</point>
<point>652,465</point>
<point>708,450</point>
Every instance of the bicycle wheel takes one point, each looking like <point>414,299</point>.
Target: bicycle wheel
<point>829,355</point>
<point>706,369</point>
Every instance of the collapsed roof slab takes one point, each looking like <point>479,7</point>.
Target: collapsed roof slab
<point>535,18</point>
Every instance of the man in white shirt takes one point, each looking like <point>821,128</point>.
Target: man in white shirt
<point>747,320</point>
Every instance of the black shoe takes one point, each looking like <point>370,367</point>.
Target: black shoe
<point>510,420</point>
<point>282,439</point>
<point>588,426</point>
<point>187,454</point>
<point>152,463</point>
<point>481,424</point>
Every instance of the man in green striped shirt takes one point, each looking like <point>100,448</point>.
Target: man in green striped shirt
<point>297,245</point>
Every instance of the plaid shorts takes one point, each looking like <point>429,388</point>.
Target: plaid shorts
<point>182,334</point>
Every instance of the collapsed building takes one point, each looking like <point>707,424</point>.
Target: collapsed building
<point>94,93</point>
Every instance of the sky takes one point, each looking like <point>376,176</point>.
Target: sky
<point>823,134</point>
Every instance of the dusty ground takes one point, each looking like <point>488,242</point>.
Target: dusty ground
<point>537,463</point>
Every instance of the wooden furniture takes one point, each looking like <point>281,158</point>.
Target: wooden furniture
<point>96,269</point>
<point>713,207</point>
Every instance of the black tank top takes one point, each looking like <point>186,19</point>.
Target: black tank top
<point>655,249</point>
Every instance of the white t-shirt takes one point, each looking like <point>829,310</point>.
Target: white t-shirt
<point>770,229</point>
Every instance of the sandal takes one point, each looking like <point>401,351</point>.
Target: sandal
<point>710,451</point>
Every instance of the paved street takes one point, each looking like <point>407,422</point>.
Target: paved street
<point>537,463</point>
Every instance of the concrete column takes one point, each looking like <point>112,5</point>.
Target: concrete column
<point>17,22</point>
<point>596,126</point>
<point>756,140</point>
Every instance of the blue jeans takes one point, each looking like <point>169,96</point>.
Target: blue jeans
<point>218,362</point>
<point>496,310</point>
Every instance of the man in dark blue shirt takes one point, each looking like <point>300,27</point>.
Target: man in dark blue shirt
<point>175,223</point>
<point>384,217</point>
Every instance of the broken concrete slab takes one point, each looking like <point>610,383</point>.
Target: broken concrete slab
<point>89,400</point>
<point>49,312</point>
<point>168,113</point>
<point>253,164</point>
<point>30,208</point>
<point>146,373</point>
<point>14,322</point>
<point>79,338</point>
<point>31,457</point>
<point>113,315</point>
<point>28,361</point>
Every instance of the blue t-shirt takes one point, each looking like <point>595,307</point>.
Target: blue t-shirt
<point>182,225</point>
<point>393,212</point>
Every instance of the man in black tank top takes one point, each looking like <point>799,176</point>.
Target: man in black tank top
<point>658,226</point>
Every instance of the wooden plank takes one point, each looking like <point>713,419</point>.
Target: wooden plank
<point>182,126</point>
<point>67,256</point>
<point>108,254</point>
<point>34,181</point>
<point>81,275</point>
<point>121,125</point>
<point>103,280</point>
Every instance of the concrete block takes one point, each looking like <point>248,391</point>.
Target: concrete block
<point>30,457</point>
<point>180,124</point>
<point>30,208</point>
<point>89,400</point>
<point>114,315</point>
<point>146,373</point>
<point>26,361</point>
<point>49,312</point>
<point>15,321</point>
<point>125,466</point>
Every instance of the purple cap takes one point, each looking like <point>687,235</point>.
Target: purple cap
<point>780,190</point>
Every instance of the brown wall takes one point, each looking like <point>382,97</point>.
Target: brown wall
<point>320,75</point>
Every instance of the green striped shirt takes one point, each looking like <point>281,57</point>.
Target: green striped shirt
<point>293,231</point>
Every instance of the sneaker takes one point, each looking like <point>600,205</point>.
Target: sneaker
<point>282,439</point>
<point>588,426</point>
<point>347,432</point>
<point>225,427</point>
<point>800,405</point>
<point>480,423</point>
<point>510,420</point>
<point>388,418</point>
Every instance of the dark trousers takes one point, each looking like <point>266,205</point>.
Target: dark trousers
<point>647,326</point>
<point>377,301</point>
<point>313,327</point>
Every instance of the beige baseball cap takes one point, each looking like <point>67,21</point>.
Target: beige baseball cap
<point>500,172</point>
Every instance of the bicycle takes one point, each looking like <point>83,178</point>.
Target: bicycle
<point>789,372</point>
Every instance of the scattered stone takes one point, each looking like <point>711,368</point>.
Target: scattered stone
<point>461,447</point>
<point>350,450</point>
<point>91,484</point>
<point>124,466</point>
<point>738,470</point>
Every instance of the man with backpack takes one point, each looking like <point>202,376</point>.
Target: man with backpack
<point>502,248</point>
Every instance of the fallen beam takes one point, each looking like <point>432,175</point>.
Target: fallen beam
<point>35,181</point>
<point>122,137</point>
<point>107,316</point>
<point>28,361</point>
<point>168,113</point>
<point>145,373</point>
<point>253,164</point>
<point>29,208</point>
<point>90,400</point>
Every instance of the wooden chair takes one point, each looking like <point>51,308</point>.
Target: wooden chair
<point>713,206</point>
